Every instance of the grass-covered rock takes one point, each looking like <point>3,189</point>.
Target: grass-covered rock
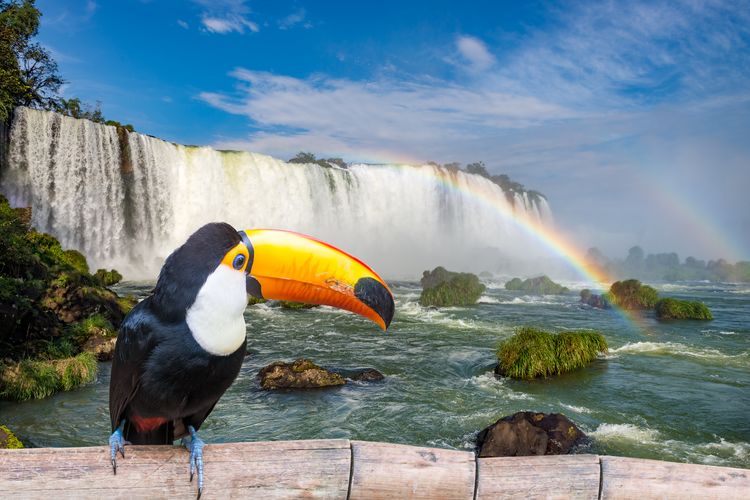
<point>631,294</point>
<point>107,278</point>
<point>50,310</point>
<point>540,285</point>
<point>532,353</point>
<point>443,288</point>
<point>36,379</point>
<point>682,309</point>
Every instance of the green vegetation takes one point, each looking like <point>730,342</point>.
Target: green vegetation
<point>107,278</point>
<point>251,301</point>
<point>631,294</point>
<point>532,353</point>
<point>36,379</point>
<point>28,74</point>
<point>305,157</point>
<point>682,309</point>
<point>50,310</point>
<point>8,440</point>
<point>443,288</point>
<point>667,266</point>
<point>541,285</point>
<point>286,304</point>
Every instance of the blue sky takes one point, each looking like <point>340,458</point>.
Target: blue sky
<point>632,117</point>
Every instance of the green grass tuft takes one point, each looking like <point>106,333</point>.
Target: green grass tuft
<point>682,309</point>
<point>532,353</point>
<point>30,379</point>
<point>631,294</point>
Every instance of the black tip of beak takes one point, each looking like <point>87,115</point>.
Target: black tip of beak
<point>372,293</point>
<point>253,287</point>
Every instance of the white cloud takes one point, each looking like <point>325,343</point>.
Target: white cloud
<point>223,25</point>
<point>182,24</point>
<point>293,19</point>
<point>226,16</point>
<point>475,52</point>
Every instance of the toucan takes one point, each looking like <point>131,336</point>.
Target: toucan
<point>181,348</point>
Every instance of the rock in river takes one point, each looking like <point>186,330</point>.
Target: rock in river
<point>529,433</point>
<point>301,374</point>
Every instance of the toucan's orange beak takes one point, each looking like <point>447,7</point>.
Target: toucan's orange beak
<point>289,266</point>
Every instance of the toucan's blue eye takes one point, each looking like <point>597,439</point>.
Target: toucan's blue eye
<point>239,261</point>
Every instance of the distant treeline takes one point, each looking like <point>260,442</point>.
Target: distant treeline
<point>667,266</point>
<point>28,74</point>
<point>509,187</point>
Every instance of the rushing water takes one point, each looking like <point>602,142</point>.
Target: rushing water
<point>676,390</point>
<point>127,200</point>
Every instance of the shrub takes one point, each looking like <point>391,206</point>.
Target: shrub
<point>107,278</point>
<point>29,379</point>
<point>631,294</point>
<point>462,290</point>
<point>682,309</point>
<point>532,352</point>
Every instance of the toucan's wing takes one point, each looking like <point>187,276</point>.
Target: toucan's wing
<point>136,340</point>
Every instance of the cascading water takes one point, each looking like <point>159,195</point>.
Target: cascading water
<point>126,200</point>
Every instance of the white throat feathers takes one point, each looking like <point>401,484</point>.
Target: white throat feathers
<point>216,317</point>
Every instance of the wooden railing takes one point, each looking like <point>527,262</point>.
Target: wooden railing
<point>339,469</point>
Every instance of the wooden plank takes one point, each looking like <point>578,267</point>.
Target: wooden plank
<point>394,471</point>
<point>634,478</point>
<point>551,476</point>
<point>286,469</point>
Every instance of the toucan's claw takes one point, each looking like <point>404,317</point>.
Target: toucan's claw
<point>117,443</point>
<point>195,445</point>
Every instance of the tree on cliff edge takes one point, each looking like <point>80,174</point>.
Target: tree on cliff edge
<point>28,74</point>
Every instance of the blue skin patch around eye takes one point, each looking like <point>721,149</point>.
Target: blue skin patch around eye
<point>238,261</point>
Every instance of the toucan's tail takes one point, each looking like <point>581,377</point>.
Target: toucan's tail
<point>162,434</point>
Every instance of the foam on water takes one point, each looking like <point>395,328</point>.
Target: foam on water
<point>490,383</point>
<point>577,409</point>
<point>619,436</point>
<point>676,349</point>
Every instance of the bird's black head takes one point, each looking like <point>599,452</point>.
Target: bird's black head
<point>187,268</point>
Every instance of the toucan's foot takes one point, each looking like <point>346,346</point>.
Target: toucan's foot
<point>194,444</point>
<point>117,443</point>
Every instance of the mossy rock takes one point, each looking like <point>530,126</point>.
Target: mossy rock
<point>8,440</point>
<point>443,288</point>
<point>532,353</point>
<point>632,295</point>
<point>301,374</point>
<point>107,278</point>
<point>682,309</point>
<point>37,379</point>
<point>431,279</point>
<point>540,285</point>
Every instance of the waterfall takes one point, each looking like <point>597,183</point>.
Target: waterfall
<point>126,200</point>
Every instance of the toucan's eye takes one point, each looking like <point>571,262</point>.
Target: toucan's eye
<point>239,261</point>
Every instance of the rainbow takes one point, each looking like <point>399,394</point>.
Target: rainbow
<point>556,242</point>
